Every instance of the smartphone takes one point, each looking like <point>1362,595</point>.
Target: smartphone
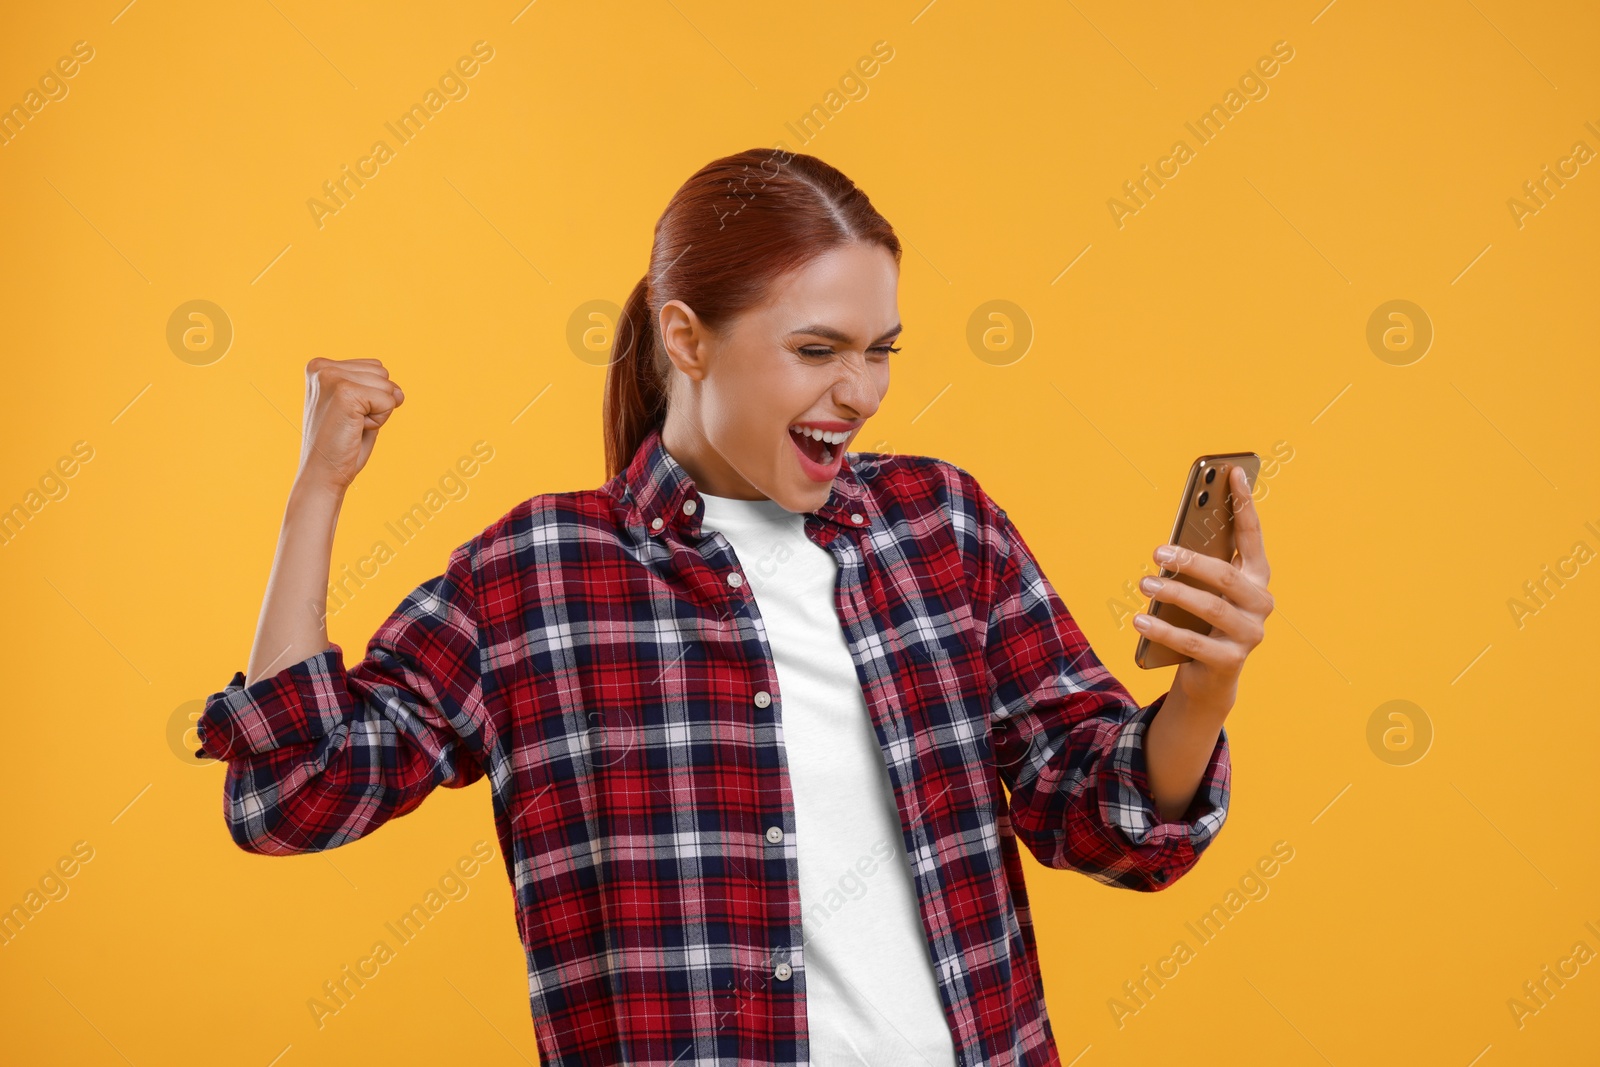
<point>1205,525</point>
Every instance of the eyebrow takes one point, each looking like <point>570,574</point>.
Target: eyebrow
<point>838,335</point>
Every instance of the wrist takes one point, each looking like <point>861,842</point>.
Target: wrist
<point>310,492</point>
<point>1205,708</point>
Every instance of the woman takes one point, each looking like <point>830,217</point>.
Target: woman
<point>763,717</point>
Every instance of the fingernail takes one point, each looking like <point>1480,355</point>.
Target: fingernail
<point>1141,621</point>
<point>1149,585</point>
<point>1166,553</point>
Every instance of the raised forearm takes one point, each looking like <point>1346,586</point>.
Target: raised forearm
<point>1178,745</point>
<point>293,622</point>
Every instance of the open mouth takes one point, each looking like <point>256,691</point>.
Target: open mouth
<point>819,450</point>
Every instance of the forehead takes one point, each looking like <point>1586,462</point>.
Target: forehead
<point>853,288</point>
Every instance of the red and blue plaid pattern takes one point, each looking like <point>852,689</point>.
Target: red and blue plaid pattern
<point>598,656</point>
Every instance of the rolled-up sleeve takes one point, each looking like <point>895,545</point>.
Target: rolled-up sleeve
<point>1069,740</point>
<point>318,755</point>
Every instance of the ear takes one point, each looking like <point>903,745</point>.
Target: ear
<point>684,336</point>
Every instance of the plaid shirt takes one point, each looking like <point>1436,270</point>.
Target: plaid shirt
<point>599,656</point>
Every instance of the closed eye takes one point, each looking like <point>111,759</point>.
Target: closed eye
<point>819,351</point>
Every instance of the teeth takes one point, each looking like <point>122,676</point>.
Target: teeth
<point>828,437</point>
<point>827,455</point>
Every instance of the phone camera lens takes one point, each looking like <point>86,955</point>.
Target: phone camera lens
<point>1211,475</point>
<point>1204,496</point>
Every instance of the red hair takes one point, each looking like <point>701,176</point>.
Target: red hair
<point>727,235</point>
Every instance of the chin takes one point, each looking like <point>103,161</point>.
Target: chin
<point>815,498</point>
<point>803,500</point>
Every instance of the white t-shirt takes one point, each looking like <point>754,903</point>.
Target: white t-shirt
<point>871,996</point>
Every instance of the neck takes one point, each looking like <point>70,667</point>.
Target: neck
<point>686,441</point>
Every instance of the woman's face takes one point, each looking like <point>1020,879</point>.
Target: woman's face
<point>816,355</point>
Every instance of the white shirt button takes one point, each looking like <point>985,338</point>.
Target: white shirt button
<point>689,506</point>
<point>657,522</point>
<point>763,698</point>
<point>735,579</point>
<point>782,972</point>
<point>774,834</point>
<point>857,518</point>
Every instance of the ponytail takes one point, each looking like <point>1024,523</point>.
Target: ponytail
<point>635,400</point>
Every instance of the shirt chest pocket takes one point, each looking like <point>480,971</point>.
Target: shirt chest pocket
<point>669,709</point>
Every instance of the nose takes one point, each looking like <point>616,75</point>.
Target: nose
<point>857,391</point>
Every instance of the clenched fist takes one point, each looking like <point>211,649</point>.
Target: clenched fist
<point>347,400</point>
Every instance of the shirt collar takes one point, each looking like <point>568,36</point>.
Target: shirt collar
<point>659,488</point>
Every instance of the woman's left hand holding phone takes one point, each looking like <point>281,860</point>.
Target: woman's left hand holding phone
<point>1234,601</point>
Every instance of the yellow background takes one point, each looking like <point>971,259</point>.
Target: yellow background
<point>1229,313</point>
